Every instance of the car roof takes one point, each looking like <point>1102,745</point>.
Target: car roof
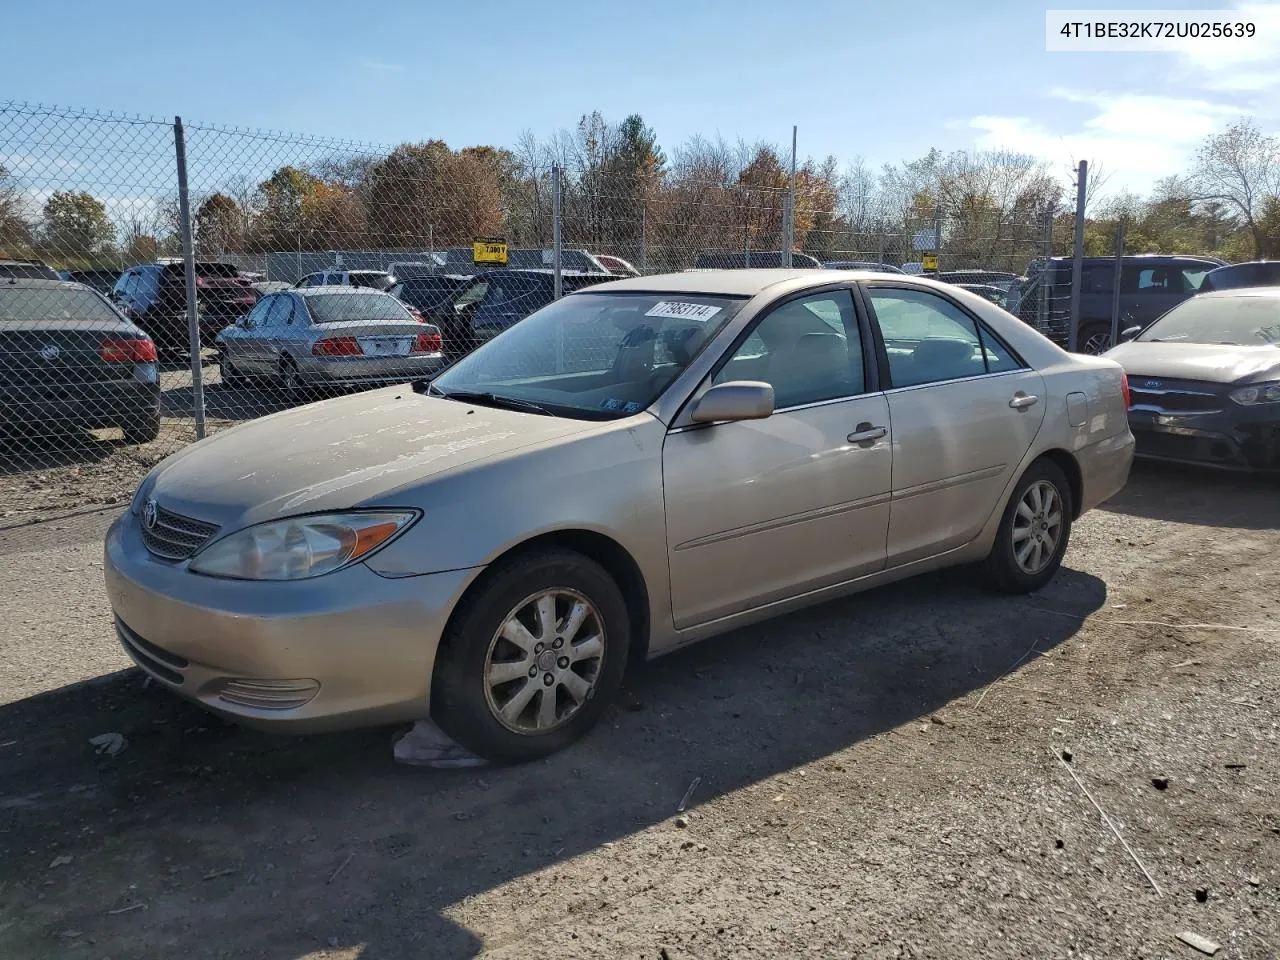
<point>332,288</point>
<point>1272,291</point>
<point>32,283</point>
<point>739,283</point>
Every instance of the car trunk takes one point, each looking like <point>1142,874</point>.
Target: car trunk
<point>378,338</point>
<point>59,356</point>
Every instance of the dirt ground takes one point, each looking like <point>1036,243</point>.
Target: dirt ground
<point>878,777</point>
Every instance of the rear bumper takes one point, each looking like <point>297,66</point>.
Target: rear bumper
<point>88,406</point>
<point>1104,469</point>
<point>1248,440</point>
<point>359,371</point>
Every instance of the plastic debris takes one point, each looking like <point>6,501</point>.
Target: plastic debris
<point>109,743</point>
<point>1203,944</point>
<point>426,745</point>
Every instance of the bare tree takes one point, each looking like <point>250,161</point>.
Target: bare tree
<point>1239,167</point>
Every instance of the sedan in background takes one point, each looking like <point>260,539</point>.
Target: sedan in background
<point>69,360</point>
<point>328,337</point>
<point>372,279</point>
<point>1256,273</point>
<point>1205,379</point>
<point>871,265</point>
<point>616,265</point>
<point>432,296</point>
<point>636,466</point>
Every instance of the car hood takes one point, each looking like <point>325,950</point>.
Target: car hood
<point>1214,363</point>
<point>341,453</point>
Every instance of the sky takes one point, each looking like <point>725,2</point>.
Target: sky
<point>880,81</point>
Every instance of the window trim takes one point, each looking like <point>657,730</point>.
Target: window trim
<point>870,369</point>
<point>980,327</point>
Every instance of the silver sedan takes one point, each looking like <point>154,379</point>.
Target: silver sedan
<point>634,467</point>
<point>329,337</point>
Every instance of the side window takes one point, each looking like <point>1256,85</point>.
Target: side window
<point>1193,277</point>
<point>808,349</point>
<point>257,315</point>
<point>1099,278</point>
<point>276,313</point>
<point>930,340</point>
<point>289,311</point>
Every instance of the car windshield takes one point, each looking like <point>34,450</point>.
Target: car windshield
<point>19,304</point>
<point>596,356</point>
<point>1245,320</point>
<point>336,307</point>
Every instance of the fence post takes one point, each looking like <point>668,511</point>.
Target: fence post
<point>189,269</point>
<point>1077,264</point>
<point>644,211</point>
<point>557,239</point>
<point>937,235</point>
<point>789,209</point>
<point>1115,291</point>
<point>1044,280</point>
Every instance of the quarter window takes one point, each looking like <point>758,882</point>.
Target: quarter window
<point>808,349</point>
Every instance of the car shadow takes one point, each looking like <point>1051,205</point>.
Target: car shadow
<point>24,454</point>
<point>1199,495</point>
<point>245,843</point>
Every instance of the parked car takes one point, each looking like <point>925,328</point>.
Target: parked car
<point>69,360</point>
<point>636,466</point>
<point>1256,273</point>
<point>995,294</point>
<point>751,260</point>
<point>27,270</point>
<point>405,269</point>
<point>373,279</point>
<point>1150,284</point>
<point>616,265</point>
<point>324,337</point>
<point>914,269</point>
<point>1205,379</point>
<point>154,296</point>
<point>872,265</point>
<point>992,278</point>
<point>270,286</point>
<point>432,296</point>
<point>102,280</point>
<point>498,299</point>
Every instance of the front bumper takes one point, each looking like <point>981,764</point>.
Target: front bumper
<point>347,649</point>
<point>1228,439</point>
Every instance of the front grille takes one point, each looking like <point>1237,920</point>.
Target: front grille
<point>151,658</point>
<point>1175,399</point>
<point>175,537</point>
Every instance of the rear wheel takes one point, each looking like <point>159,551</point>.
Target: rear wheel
<point>143,430</point>
<point>231,377</point>
<point>1034,531</point>
<point>532,657</point>
<point>290,380</point>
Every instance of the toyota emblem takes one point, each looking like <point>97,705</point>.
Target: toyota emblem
<point>150,511</point>
<point>50,351</point>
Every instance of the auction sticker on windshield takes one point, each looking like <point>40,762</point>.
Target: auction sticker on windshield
<point>683,311</point>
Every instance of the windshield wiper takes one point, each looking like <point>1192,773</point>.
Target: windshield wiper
<point>490,399</point>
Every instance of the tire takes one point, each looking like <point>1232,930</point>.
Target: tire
<point>290,381</point>
<point>466,704</point>
<point>142,431</point>
<point>232,378</point>
<point>1095,339</point>
<point>1003,569</point>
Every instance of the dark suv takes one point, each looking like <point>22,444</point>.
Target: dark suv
<point>498,299</point>
<point>27,270</point>
<point>1150,284</point>
<point>154,296</point>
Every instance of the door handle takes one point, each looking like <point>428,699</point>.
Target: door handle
<point>866,434</point>
<point>1021,401</point>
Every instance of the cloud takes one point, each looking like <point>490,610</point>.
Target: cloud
<point>379,66</point>
<point>1138,138</point>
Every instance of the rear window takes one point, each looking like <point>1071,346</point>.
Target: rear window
<point>44,304</point>
<point>337,307</point>
<point>27,271</point>
<point>376,281</point>
<point>203,269</point>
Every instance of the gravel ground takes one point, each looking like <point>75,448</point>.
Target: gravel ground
<point>878,777</point>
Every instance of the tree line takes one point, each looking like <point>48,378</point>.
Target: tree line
<point>622,194</point>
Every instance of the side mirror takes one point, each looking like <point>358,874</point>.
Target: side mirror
<point>736,400</point>
<point>1128,333</point>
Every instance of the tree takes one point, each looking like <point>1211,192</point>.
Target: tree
<point>301,211</point>
<point>219,226</point>
<point>427,194</point>
<point>1240,167</point>
<point>15,231</point>
<point>76,225</point>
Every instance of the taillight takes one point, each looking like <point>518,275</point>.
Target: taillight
<point>1124,390</point>
<point>128,350</point>
<point>427,343</point>
<point>201,282</point>
<point>337,347</point>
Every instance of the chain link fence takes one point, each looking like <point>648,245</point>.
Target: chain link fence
<point>224,274</point>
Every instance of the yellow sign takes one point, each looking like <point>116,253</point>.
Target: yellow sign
<point>930,261</point>
<point>489,250</point>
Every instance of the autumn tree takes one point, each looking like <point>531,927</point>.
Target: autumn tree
<point>76,225</point>
<point>426,194</point>
<point>301,211</point>
<point>219,226</point>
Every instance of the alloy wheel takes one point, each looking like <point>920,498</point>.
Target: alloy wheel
<point>1037,527</point>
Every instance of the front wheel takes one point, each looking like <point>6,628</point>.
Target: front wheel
<point>532,657</point>
<point>143,430</point>
<point>1034,531</point>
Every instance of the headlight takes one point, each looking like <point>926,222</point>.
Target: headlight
<point>301,547</point>
<point>1262,393</point>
